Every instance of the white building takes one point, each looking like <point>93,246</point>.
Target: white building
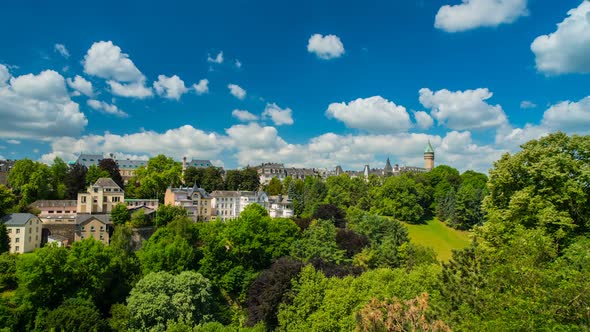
<point>229,204</point>
<point>24,231</point>
<point>280,207</point>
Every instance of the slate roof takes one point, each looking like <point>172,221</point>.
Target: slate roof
<point>17,219</point>
<point>225,193</point>
<point>54,203</point>
<point>429,148</point>
<point>198,163</point>
<point>106,183</point>
<point>82,218</point>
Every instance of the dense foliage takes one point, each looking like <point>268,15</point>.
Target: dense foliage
<point>348,264</point>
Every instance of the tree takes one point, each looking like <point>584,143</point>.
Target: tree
<point>75,315</point>
<point>94,173</point>
<point>399,197</point>
<point>7,271</point>
<point>269,290</point>
<point>111,167</point>
<point>152,180</point>
<point>545,185</point>
<point>245,179</point>
<point>75,180</point>
<point>120,214</point>
<point>4,239</point>
<point>7,200</point>
<point>160,299</point>
<point>139,219</point>
<point>194,175</point>
<point>275,187</point>
<point>58,172</point>
<point>319,241</point>
<point>29,180</point>
<point>166,213</point>
<point>330,212</point>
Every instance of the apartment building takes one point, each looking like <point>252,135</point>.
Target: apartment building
<point>100,197</point>
<point>24,231</point>
<point>196,201</point>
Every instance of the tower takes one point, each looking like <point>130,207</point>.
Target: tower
<point>388,169</point>
<point>429,157</point>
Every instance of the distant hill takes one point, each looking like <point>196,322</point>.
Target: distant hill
<point>440,237</point>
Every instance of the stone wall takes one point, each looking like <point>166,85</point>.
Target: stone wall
<point>66,230</point>
<point>140,235</point>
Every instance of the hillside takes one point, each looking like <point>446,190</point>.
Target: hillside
<point>440,237</point>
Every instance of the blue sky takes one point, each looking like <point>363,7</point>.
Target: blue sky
<point>314,84</point>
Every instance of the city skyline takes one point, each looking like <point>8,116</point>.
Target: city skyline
<point>310,85</point>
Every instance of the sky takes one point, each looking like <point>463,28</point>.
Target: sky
<point>306,83</point>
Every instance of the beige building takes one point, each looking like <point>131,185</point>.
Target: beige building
<point>229,204</point>
<point>101,197</point>
<point>97,226</point>
<point>56,210</point>
<point>196,201</point>
<point>24,231</point>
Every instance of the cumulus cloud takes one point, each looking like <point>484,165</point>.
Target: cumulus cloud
<point>202,87</point>
<point>13,141</point>
<point>81,85</point>
<point>106,108</point>
<point>460,110</point>
<point>525,104</point>
<point>423,120</point>
<point>170,87</point>
<point>216,59</point>
<point>37,106</point>
<point>131,90</point>
<point>237,91</point>
<point>105,60</point>
<point>473,14</point>
<point>325,47</point>
<point>279,116</point>
<point>61,49</point>
<point>244,116</point>
<point>567,50</point>
<point>375,114</point>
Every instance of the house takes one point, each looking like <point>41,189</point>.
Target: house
<point>229,204</point>
<point>267,171</point>
<point>96,226</point>
<point>100,197</point>
<point>280,207</point>
<point>142,202</point>
<point>127,167</point>
<point>24,231</point>
<point>196,201</point>
<point>63,210</point>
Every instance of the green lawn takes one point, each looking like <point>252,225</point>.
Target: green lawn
<point>440,237</point>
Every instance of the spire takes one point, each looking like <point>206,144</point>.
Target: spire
<point>429,148</point>
<point>388,168</point>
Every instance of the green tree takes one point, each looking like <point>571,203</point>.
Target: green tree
<point>120,214</point>
<point>7,271</point>
<point>7,200</point>
<point>75,315</point>
<point>30,181</point>
<point>139,219</point>
<point>58,171</point>
<point>545,185</point>
<point>166,213</point>
<point>319,241</point>
<point>399,197</point>
<point>152,180</point>
<point>94,173</point>
<point>4,239</point>
<point>275,187</point>
<point>160,299</point>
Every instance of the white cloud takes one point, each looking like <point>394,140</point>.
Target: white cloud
<point>13,141</point>
<point>38,106</point>
<point>473,14</point>
<point>325,47</point>
<point>461,110</point>
<point>132,90</point>
<point>278,115</point>
<point>237,91</point>
<point>4,75</point>
<point>80,84</point>
<point>238,64</point>
<point>105,60</point>
<point>567,50</point>
<point>423,120</point>
<point>216,59</point>
<point>202,87</point>
<point>525,104</point>
<point>106,108</point>
<point>170,87</point>
<point>244,116</point>
<point>375,114</point>
<point>61,49</point>
<point>253,136</point>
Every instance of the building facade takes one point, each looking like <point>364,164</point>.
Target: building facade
<point>196,201</point>
<point>97,226</point>
<point>24,231</point>
<point>280,207</point>
<point>267,171</point>
<point>229,204</point>
<point>100,197</point>
<point>63,210</point>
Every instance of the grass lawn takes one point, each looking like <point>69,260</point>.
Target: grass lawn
<point>438,236</point>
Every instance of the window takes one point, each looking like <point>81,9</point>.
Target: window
<point>36,237</point>
<point>95,189</point>
<point>9,230</point>
<point>37,231</point>
<point>30,239</point>
<point>92,228</point>
<point>82,236</point>
<point>50,211</point>
<point>17,240</point>
<point>82,228</point>
<point>18,231</point>
<point>59,211</point>
<point>16,248</point>
<point>116,199</point>
<point>83,199</point>
<point>102,229</point>
<point>101,237</point>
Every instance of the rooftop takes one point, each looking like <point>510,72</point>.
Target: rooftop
<point>17,219</point>
<point>106,183</point>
